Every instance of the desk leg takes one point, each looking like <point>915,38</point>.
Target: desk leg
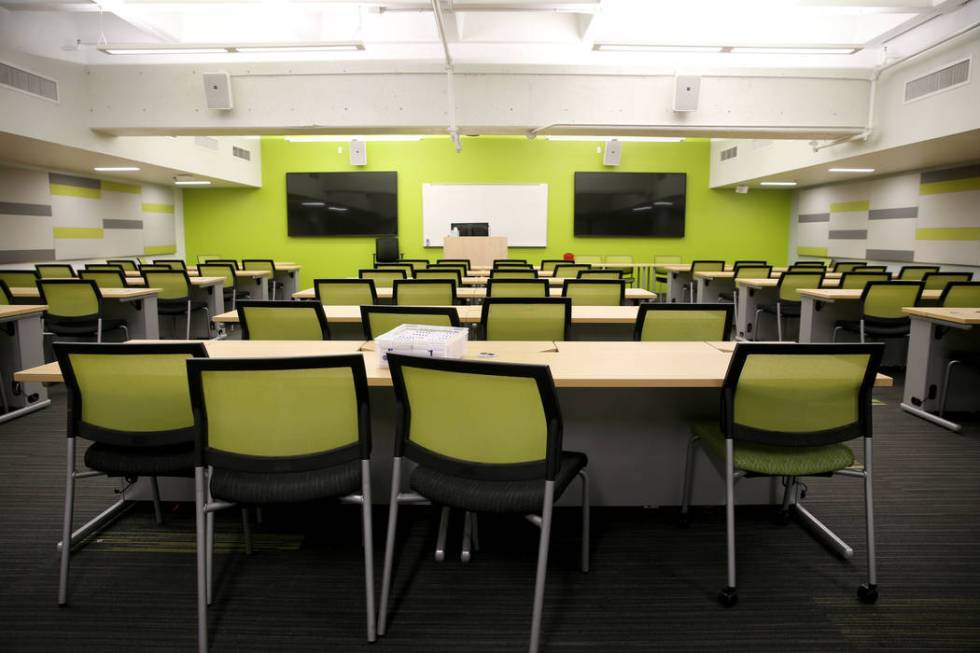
<point>257,288</point>
<point>930,349</point>
<point>749,300</point>
<point>675,286</point>
<point>23,350</point>
<point>290,283</point>
<point>709,290</point>
<point>140,316</point>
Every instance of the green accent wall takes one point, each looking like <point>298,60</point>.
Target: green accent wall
<point>238,222</point>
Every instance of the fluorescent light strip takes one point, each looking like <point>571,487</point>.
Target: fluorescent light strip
<point>193,182</point>
<point>715,49</point>
<point>641,47</point>
<point>346,46</point>
<point>777,183</point>
<point>851,170</point>
<point>336,47</point>
<point>621,139</point>
<point>117,169</point>
<point>785,50</point>
<point>123,50</point>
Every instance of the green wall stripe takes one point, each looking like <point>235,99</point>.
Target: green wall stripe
<point>850,207</point>
<point>811,251</point>
<point>76,191</point>
<point>118,187</point>
<point>150,250</point>
<point>78,232</point>
<point>948,233</point>
<point>157,208</point>
<point>952,186</point>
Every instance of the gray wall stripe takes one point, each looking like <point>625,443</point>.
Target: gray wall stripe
<point>890,255</point>
<point>847,234</point>
<point>122,224</point>
<point>70,180</point>
<point>950,174</point>
<point>18,208</point>
<point>814,217</point>
<point>893,214</point>
<point>26,255</point>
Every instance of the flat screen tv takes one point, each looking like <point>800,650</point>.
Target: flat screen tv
<point>342,203</point>
<point>648,204</point>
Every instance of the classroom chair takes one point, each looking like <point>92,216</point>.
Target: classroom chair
<point>225,261</point>
<point>526,318</point>
<point>436,272</point>
<point>105,278</point>
<point>870,268</point>
<point>317,410</point>
<point>386,250</point>
<point>511,287</point>
<point>510,261</point>
<point>683,322</point>
<point>424,292</point>
<point>230,292</point>
<point>462,268</point>
<point>809,264</point>
<point>787,411</point>
<point>501,267</point>
<point>407,267</point>
<point>749,263</point>
<point>265,265</point>
<point>916,272</point>
<point>55,271</point>
<point>510,460</point>
<point>788,297</point>
<point>548,264</point>
<point>514,273</point>
<point>745,270</point>
<point>858,279</point>
<point>690,290</point>
<point>156,267</point>
<point>111,267</point>
<point>20,278</point>
<point>416,263</point>
<point>75,309</point>
<point>172,263</point>
<point>627,268</point>
<point>961,294</point>
<point>345,292</point>
<point>847,266</point>
<point>595,292</point>
<point>939,280</point>
<point>132,403</point>
<point>282,320</point>
<point>379,320</point>
<point>570,270</point>
<point>660,278</point>
<point>881,310</point>
<point>605,273</point>
<point>174,299</point>
<point>126,264</point>
<point>6,299</point>
<point>465,262</point>
<point>382,278</point>
<point>207,258</point>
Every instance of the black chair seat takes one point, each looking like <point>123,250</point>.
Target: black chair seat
<point>493,496</point>
<point>172,460</point>
<point>786,310</point>
<point>286,487</point>
<point>239,294</point>
<point>81,327</point>
<point>898,328</point>
<point>178,307</point>
<point>968,358</point>
<point>727,296</point>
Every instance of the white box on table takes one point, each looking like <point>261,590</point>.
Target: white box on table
<point>422,340</point>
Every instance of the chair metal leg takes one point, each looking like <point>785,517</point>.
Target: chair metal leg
<point>755,335</point>
<point>396,477</point>
<point>944,391</point>
<point>66,525</point>
<point>199,527</point>
<point>188,335</point>
<point>779,321</point>
<point>837,330</point>
<point>464,553</point>
<point>209,538</point>
<point>98,330</point>
<point>368,549</point>
<point>157,510</point>
<point>821,530</point>
<point>441,537</point>
<point>692,448</point>
<point>542,570</point>
<point>869,593</point>
<point>247,531</point>
<point>862,331</point>
<point>728,596</point>
<point>586,519</point>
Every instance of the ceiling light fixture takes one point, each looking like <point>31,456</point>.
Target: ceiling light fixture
<point>777,183</point>
<point>346,138</point>
<point>649,47</point>
<point>245,48</point>
<point>117,169</point>
<point>727,49</point>
<point>850,170</point>
<point>159,50</point>
<point>352,46</point>
<point>622,139</point>
<point>778,49</point>
<point>192,182</point>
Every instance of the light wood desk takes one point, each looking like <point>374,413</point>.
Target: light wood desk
<point>480,292</point>
<point>752,293</point>
<point>136,306</point>
<point>822,308</point>
<point>21,346</point>
<point>209,290</point>
<point>937,336</point>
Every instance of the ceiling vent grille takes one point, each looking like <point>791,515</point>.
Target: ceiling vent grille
<point>943,79</point>
<point>730,153</point>
<point>207,141</point>
<point>241,153</point>
<point>28,82</point>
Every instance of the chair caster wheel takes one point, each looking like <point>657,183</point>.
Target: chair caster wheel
<point>868,594</point>
<point>728,597</point>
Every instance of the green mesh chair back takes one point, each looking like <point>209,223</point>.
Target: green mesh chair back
<point>382,278</point>
<point>683,322</point>
<point>749,263</point>
<point>916,272</point>
<point>111,267</point>
<point>416,263</point>
<point>345,292</point>
<point>282,320</point>
<point>223,270</point>
<point>871,268</point>
<point>424,292</point>
<point>624,259</point>
<point>570,270</point>
<point>156,267</point>
<point>6,298</point>
<point>105,278</point>
<point>590,259</point>
<point>883,300</point>
<point>790,284</point>
<point>511,273</point>
<point>457,262</point>
<point>847,266</point>
<point>462,268</point>
<point>752,271</point>
<point>129,394</point>
<point>806,267</point>
<point>548,264</point>
<point>378,320</point>
<point>961,294</point>
<point>55,271</point>
<point>513,267</point>
<point>313,413</point>
<point>518,434</point>
<point>521,318</point>
<point>19,278</point>
<point>809,264</point>
<point>259,264</point>
<point>595,292</point>
<point>497,287</point>
<point>172,263</point>
<point>126,264</point>
<point>858,280</point>
<point>497,262</point>
<point>434,272</point>
<point>707,266</point>
<point>799,395</point>
<point>605,273</point>
<point>174,285</point>
<point>71,298</point>
<point>225,261</point>
<point>939,280</point>
<point>408,268</point>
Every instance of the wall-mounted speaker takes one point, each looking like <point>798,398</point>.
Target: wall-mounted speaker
<point>358,153</point>
<point>686,91</point>
<point>613,153</point>
<point>217,91</point>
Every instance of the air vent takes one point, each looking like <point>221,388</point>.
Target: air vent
<point>730,153</point>
<point>241,153</point>
<point>206,141</point>
<point>28,82</point>
<point>943,79</point>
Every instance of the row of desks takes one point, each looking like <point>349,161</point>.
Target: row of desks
<point>480,292</point>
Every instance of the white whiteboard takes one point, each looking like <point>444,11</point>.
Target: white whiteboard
<point>518,211</point>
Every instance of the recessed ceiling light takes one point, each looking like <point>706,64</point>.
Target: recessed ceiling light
<point>777,183</point>
<point>117,169</point>
<point>644,47</point>
<point>790,50</point>
<point>851,170</point>
<point>192,182</point>
<point>159,50</point>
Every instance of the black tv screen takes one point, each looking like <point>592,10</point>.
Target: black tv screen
<point>650,204</point>
<point>342,203</point>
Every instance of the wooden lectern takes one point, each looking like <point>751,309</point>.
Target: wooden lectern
<point>480,250</point>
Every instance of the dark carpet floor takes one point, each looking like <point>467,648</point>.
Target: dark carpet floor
<point>652,584</point>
